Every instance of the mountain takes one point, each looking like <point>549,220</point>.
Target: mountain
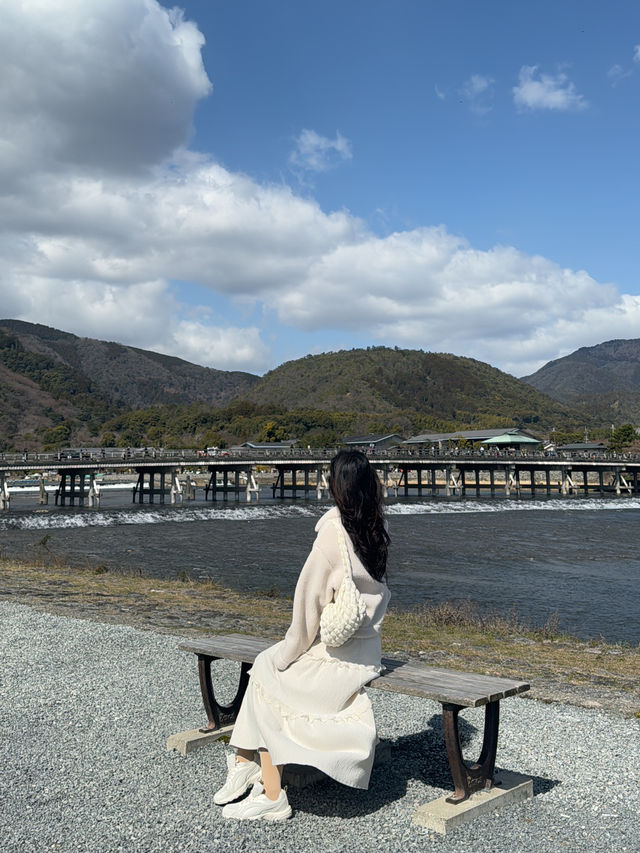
<point>129,375</point>
<point>604,378</point>
<point>52,380</point>
<point>386,381</point>
<point>57,389</point>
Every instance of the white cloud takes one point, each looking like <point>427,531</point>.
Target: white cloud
<point>539,91</point>
<point>92,241</point>
<point>316,153</point>
<point>477,91</point>
<point>144,314</point>
<point>617,73</point>
<point>94,85</point>
<point>476,85</point>
<point>230,348</point>
<point>429,289</point>
<point>439,93</point>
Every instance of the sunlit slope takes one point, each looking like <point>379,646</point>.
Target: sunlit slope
<point>605,379</point>
<point>382,380</point>
<point>124,374</point>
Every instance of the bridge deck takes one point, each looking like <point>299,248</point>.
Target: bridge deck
<point>232,476</point>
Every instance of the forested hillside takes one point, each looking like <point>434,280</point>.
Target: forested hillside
<point>58,390</point>
<point>383,380</point>
<point>321,398</point>
<point>126,374</point>
<point>604,379</point>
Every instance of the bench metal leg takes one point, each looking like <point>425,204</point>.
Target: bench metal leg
<point>478,776</point>
<point>217,714</point>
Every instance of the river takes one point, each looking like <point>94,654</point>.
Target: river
<point>577,557</point>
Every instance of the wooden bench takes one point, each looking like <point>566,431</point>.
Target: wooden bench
<point>454,690</point>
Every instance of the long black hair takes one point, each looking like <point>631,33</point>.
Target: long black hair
<point>357,492</point>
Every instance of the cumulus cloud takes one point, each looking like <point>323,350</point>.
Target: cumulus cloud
<point>316,153</point>
<point>142,314</point>
<point>429,289</point>
<point>96,242</point>
<point>226,348</point>
<point>539,91</point>
<point>477,91</point>
<point>102,86</point>
<point>617,73</point>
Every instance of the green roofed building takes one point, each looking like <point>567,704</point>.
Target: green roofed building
<point>510,437</point>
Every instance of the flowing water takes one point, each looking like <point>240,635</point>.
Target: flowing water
<point>579,557</point>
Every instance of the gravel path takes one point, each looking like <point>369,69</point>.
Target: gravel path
<point>87,707</point>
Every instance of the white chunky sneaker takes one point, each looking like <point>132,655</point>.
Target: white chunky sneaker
<point>240,776</point>
<point>257,806</point>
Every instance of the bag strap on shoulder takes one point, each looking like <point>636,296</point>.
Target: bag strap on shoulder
<point>344,551</point>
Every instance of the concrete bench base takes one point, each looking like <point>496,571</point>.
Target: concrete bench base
<point>192,739</point>
<point>441,816</point>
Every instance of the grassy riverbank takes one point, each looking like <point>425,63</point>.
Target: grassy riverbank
<point>560,667</point>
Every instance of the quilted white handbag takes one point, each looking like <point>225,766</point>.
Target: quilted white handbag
<point>342,617</point>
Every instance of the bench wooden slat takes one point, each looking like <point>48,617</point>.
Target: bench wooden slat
<point>443,685</point>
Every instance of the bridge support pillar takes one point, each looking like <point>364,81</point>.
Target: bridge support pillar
<point>384,480</point>
<point>94,491</point>
<point>235,481</point>
<point>5,495</point>
<point>454,480</point>
<point>252,486</point>
<point>176,488</point>
<point>71,486</point>
<point>148,485</point>
<point>322,484</point>
<point>189,489</point>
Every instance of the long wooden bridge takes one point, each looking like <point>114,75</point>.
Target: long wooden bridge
<point>236,478</point>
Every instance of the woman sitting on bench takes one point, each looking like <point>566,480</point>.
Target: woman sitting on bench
<point>305,703</point>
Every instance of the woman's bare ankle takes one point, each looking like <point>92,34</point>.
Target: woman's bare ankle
<point>271,794</point>
<point>245,755</point>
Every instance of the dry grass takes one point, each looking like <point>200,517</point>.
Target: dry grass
<point>457,636</point>
<point>180,604</point>
<point>460,636</point>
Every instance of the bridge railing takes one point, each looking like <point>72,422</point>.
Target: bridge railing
<point>198,457</point>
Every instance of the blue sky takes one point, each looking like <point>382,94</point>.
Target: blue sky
<point>241,183</point>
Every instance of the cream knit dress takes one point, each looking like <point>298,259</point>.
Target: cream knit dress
<point>305,702</point>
